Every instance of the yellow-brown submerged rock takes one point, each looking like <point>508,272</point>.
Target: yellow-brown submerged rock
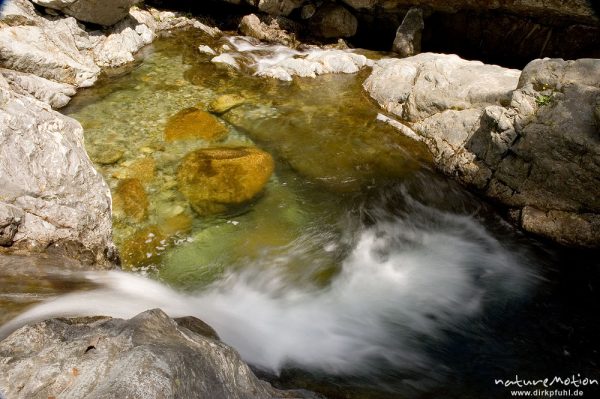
<point>193,123</point>
<point>130,200</point>
<point>213,178</point>
<point>144,247</point>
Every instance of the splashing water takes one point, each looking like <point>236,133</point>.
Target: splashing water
<point>406,280</point>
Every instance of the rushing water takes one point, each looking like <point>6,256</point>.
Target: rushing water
<point>358,273</point>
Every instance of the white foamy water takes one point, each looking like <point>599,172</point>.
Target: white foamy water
<point>404,282</point>
<point>281,62</point>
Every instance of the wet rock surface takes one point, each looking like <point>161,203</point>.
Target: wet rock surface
<point>148,356</point>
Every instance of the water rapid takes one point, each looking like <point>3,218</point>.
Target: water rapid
<point>407,278</point>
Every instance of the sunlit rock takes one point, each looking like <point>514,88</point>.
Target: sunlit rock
<point>213,178</point>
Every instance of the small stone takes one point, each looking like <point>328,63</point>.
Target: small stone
<point>203,49</point>
<point>107,156</point>
<point>225,102</point>
<point>143,169</point>
<point>147,150</point>
<point>193,123</point>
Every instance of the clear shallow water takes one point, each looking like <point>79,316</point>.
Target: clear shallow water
<point>359,272</point>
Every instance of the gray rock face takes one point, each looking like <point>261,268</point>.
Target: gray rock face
<point>252,26</point>
<point>148,356</point>
<point>332,21</point>
<point>530,141</point>
<point>105,12</point>
<point>50,192</point>
<point>55,94</point>
<point>279,7</point>
<point>408,35</point>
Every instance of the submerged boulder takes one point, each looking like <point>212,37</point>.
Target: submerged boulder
<point>193,123</point>
<point>529,140</point>
<point>130,200</point>
<point>149,356</point>
<point>213,178</point>
<point>226,102</point>
<point>105,12</point>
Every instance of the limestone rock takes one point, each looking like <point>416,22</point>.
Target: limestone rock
<point>150,355</point>
<point>33,49</point>
<point>408,35</point>
<point>192,123</point>
<point>131,200</point>
<point>56,94</point>
<point>213,178</point>
<point>48,183</point>
<point>106,12</point>
<point>417,87</point>
<point>333,21</point>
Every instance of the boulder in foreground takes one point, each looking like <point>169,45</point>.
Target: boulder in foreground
<point>148,356</point>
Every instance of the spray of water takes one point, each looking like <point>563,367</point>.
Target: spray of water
<point>406,280</point>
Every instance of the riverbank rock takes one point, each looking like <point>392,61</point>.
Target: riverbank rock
<point>252,26</point>
<point>50,193</point>
<point>150,356</point>
<point>212,179</point>
<point>527,140</point>
<point>194,124</point>
<point>49,57</point>
<point>98,12</point>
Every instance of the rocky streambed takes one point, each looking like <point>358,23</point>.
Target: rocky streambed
<point>304,201</point>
